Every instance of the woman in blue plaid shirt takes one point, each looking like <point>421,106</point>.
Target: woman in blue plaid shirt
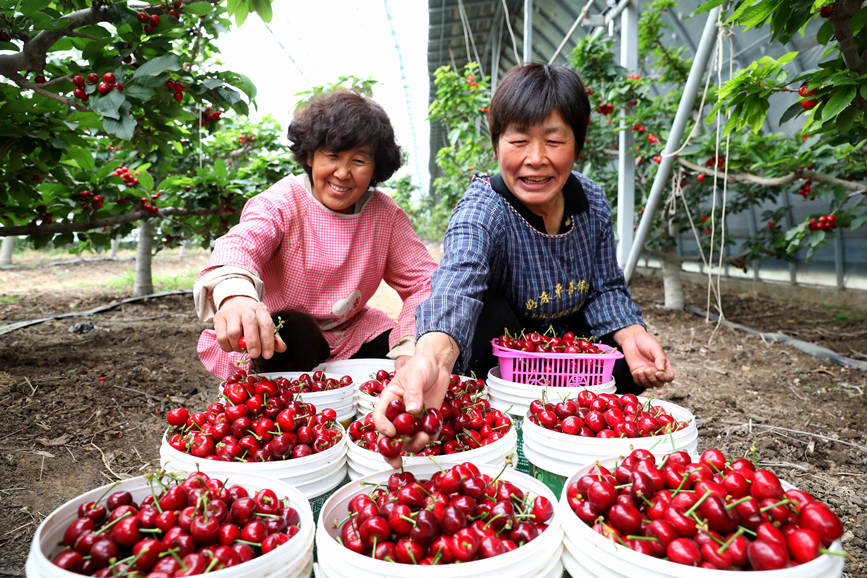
<point>529,248</point>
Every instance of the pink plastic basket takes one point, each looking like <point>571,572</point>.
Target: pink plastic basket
<point>556,369</point>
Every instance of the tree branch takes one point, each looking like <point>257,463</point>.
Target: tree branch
<point>856,187</point>
<point>841,22</point>
<point>132,216</point>
<point>26,84</point>
<point>32,55</point>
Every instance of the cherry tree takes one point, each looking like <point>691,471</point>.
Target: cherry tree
<point>111,111</point>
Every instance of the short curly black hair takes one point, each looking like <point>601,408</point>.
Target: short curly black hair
<point>341,120</point>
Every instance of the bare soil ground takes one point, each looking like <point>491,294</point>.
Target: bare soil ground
<point>86,408</point>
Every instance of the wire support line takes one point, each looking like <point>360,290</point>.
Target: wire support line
<point>511,32</point>
<point>581,17</point>
<point>469,39</point>
<point>405,86</point>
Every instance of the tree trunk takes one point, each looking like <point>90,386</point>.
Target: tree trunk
<point>115,243</point>
<point>6,250</point>
<point>182,250</point>
<point>671,279</point>
<point>143,283</point>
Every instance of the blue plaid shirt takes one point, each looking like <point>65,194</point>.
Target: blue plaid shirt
<point>546,279</point>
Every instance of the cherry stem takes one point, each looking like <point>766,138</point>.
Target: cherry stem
<point>835,552</point>
<point>697,504</point>
<point>492,519</point>
<point>256,544</point>
<point>105,493</point>
<point>110,524</point>
<point>771,506</point>
<point>731,505</point>
<point>731,539</point>
<point>645,538</point>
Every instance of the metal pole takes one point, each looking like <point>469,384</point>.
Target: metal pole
<point>528,31</point>
<point>625,153</point>
<point>684,111</point>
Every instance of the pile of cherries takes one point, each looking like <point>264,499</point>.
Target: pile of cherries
<point>458,515</point>
<point>710,513</point>
<point>458,386</point>
<point>304,383</point>
<point>465,421</point>
<point>188,525</point>
<point>549,342</point>
<point>260,421</point>
<point>604,415</point>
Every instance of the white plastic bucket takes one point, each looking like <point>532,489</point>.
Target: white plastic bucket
<point>516,397</point>
<point>313,475</point>
<point>587,553</point>
<point>540,557</point>
<point>294,558</point>
<point>363,462</point>
<point>554,456</point>
<point>341,400</point>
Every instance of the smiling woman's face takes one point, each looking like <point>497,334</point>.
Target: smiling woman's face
<point>535,161</point>
<point>341,178</point>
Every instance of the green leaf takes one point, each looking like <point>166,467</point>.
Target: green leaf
<point>220,169</point>
<point>158,65</point>
<point>826,31</point>
<point>241,13</point>
<point>846,117</point>
<point>710,4</point>
<point>108,105</point>
<point>123,128</point>
<point>263,9</point>
<point>82,158</point>
<point>864,90</point>
<point>839,100</point>
<point>200,7</point>
<point>755,15</point>
<point>145,180</point>
<point>791,112</point>
<point>858,21</point>
<point>138,91</point>
<point>31,7</point>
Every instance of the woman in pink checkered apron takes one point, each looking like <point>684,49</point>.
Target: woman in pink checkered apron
<point>313,248</point>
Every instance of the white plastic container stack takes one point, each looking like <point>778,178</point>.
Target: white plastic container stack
<point>554,456</point>
<point>362,462</point>
<point>541,557</point>
<point>341,400</point>
<point>516,397</point>
<point>314,475</point>
<point>587,553</point>
<point>294,558</point>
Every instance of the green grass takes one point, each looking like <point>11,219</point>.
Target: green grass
<point>8,299</point>
<point>842,315</point>
<point>161,282</point>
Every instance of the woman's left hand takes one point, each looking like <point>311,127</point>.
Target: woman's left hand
<point>646,360</point>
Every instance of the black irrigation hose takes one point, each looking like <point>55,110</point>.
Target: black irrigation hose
<point>21,324</point>
<point>777,337</point>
